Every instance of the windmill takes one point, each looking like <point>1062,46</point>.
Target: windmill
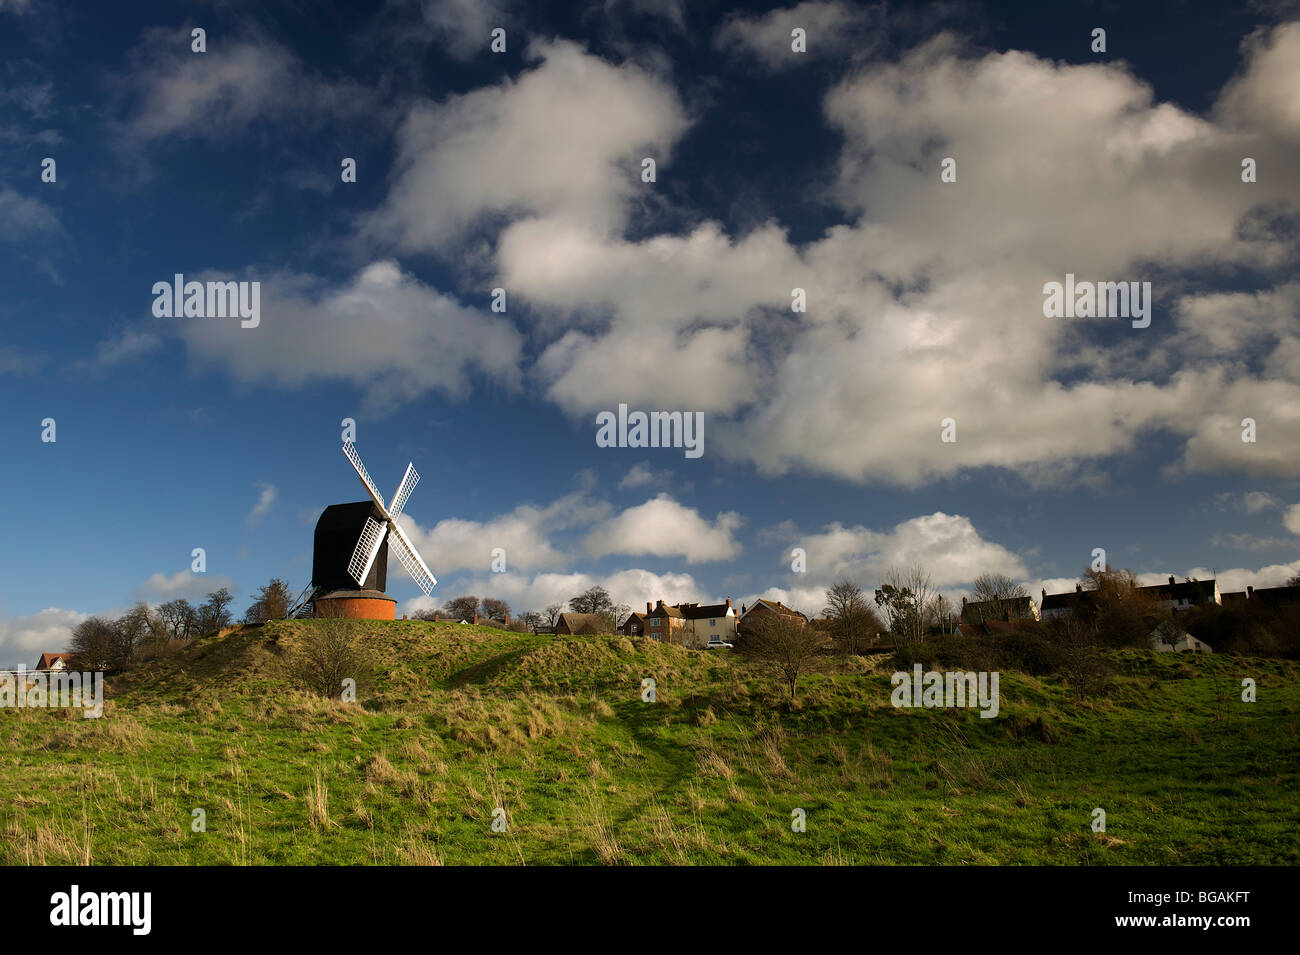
<point>350,563</point>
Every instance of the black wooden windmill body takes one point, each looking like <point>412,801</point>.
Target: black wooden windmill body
<point>352,544</point>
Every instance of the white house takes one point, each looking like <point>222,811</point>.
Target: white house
<point>711,623</point>
<point>1171,639</point>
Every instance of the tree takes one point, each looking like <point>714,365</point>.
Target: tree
<point>905,596</point>
<point>552,614</point>
<point>997,592</point>
<point>785,645</point>
<point>138,628</point>
<point>213,614</point>
<point>495,609</point>
<point>272,602</point>
<point>95,643</point>
<point>853,622</point>
<point>941,614</point>
<point>463,608</point>
<point>1121,612</point>
<point>331,652</point>
<point>532,620</point>
<point>592,600</point>
<point>179,619</point>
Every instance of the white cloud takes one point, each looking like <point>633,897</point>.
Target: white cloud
<point>128,345</point>
<point>266,495</point>
<point>662,527</point>
<point>1263,94</point>
<point>641,475</point>
<point>464,27</point>
<point>182,584</point>
<point>387,333</point>
<point>947,545</point>
<point>930,305</point>
<point>525,534</point>
<point>22,217</point>
<point>831,29</point>
<point>633,587</point>
<point>1291,520</point>
<point>24,639</point>
<point>565,138</point>
<point>222,91</point>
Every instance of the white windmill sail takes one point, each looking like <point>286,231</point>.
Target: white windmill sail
<point>367,549</point>
<point>374,532</point>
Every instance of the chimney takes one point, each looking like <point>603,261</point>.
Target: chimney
<point>1250,592</point>
<point>507,620</point>
<point>1171,580</point>
<point>1044,591</point>
<point>963,603</point>
<point>1078,588</point>
<point>742,610</point>
<point>649,608</point>
<point>728,603</point>
<point>476,617</point>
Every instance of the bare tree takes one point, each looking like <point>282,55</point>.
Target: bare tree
<point>552,614</point>
<point>214,615</point>
<point>905,596</point>
<point>272,602</point>
<point>321,657</point>
<point>179,619</point>
<point>531,620</point>
<point>95,643</point>
<point>592,600</point>
<point>785,645</point>
<point>463,608</point>
<point>853,622</point>
<point>997,593</point>
<point>941,614</point>
<point>495,609</point>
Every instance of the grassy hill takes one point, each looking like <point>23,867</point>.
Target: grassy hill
<point>460,720</point>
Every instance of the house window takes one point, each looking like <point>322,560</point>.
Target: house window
<point>713,623</point>
<point>654,621</point>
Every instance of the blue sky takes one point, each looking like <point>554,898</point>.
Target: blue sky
<point>522,170</point>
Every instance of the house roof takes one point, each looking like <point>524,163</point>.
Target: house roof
<point>582,622</point>
<point>773,605</point>
<point>1063,601</point>
<point>1193,591</point>
<point>697,612</point>
<point>49,659</point>
<point>1017,606</point>
<point>1276,596</point>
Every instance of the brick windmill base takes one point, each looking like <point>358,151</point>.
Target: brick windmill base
<point>357,605</point>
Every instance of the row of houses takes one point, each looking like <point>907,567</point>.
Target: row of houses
<point>694,625</point>
<point>999,616</point>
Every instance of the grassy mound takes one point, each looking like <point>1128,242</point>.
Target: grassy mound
<point>458,724</point>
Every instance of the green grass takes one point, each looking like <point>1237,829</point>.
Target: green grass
<point>460,720</point>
